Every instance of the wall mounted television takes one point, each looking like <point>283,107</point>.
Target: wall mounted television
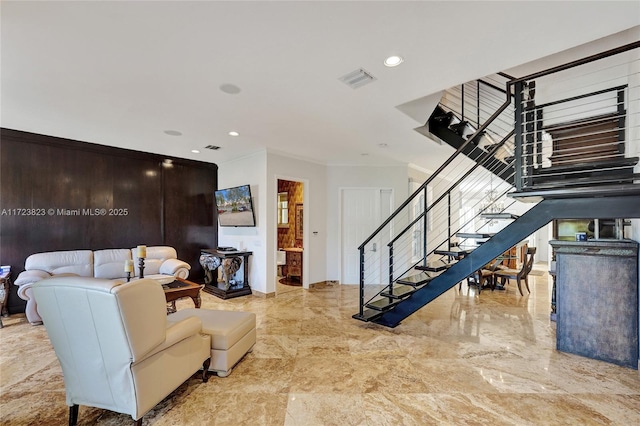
<point>235,206</point>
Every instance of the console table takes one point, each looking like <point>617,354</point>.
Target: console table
<point>226,273</point>
<point>597,299</point>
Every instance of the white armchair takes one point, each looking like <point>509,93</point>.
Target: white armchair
<point>114,343</point>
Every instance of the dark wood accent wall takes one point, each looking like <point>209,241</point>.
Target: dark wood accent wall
<point>79,195</point>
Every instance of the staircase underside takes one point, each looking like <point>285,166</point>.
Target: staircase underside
<point>622,203</point>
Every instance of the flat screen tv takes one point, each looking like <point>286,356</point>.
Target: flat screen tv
<point>235,207</point>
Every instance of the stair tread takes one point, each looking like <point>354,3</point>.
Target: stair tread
<point>537,194</point>
<point>499,216</point>
<point>453,252</point>
<point>567,181</point>
<point>417,280</point>
<point>383,304</point>
<point>434,266</point>
<point>400,291</point>
<point>367,315</point>
<point>479,235</point>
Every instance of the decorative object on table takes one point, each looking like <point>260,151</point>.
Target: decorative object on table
<point>209,263</point>
<point>229,267</point>
<point>142,253</point>
<point>128,268</point>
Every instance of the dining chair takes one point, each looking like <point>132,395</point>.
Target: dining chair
<point>518,275</point>
<point>484,275</point>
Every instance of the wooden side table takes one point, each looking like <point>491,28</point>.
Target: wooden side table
<point>181,288</point>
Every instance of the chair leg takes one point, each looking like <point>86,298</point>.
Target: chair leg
<point>526,282</point>
<point>205,369</point>
<point>138,422</point>
<point>519,287</point>
<point>73,415</point>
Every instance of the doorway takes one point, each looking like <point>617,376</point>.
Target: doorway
<point>362,210</point>
<point>290,235</point>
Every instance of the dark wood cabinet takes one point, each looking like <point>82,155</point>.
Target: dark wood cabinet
<point>294,263</point>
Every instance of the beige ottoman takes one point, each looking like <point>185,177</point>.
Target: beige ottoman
<point>233,334</point>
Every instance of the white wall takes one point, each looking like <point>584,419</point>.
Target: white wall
<point>248,170</point>
<point>321,206</point>
<point>393,177</point>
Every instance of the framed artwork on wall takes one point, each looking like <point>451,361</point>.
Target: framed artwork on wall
<point>299,232</point>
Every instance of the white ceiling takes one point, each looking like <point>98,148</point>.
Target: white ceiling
<point>121,73</point>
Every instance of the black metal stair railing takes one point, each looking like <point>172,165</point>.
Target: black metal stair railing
<point>575,129</point>
<point>424,222</point>
<point>533,154</point>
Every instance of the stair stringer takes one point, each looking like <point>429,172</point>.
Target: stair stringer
<point>525,225</point>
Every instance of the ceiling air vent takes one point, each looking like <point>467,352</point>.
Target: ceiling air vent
<point>357,78</point>
<point>213,147</point>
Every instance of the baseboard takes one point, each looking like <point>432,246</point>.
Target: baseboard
<point>263,295</point>
<point>324,284</point>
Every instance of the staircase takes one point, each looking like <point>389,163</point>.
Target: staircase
<point>565,151</point>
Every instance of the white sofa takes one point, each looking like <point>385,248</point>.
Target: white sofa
<point>161,264</point>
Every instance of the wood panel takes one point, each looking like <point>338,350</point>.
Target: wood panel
<point>88,196</point>
<point>583,141</point>
<point>189,200</point>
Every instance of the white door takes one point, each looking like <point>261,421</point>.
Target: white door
<point>363,210</point>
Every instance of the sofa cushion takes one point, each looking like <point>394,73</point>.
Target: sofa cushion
<point>79,262</point>
<point>110,263</point>
<point>155,256</point>
<point>31,276</point>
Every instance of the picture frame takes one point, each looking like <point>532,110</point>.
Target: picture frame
<point>299,230</point>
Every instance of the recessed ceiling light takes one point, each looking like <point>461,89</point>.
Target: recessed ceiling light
<point>232,133</point>
<point>173,133</point>
<point>393,61</point>
<point>195,151</point>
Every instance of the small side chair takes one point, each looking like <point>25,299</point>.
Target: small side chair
<point>518,275</point>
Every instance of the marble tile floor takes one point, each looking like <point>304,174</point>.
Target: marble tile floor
<point>465,359</point>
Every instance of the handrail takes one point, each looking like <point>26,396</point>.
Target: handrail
<point>575,98</point>
<point>488,156</point>
<point>576,63</point>
<point>441,168</point>
<point>493,86</point>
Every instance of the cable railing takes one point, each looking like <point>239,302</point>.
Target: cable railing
<point>452,200</point>
<point>577,124</point>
